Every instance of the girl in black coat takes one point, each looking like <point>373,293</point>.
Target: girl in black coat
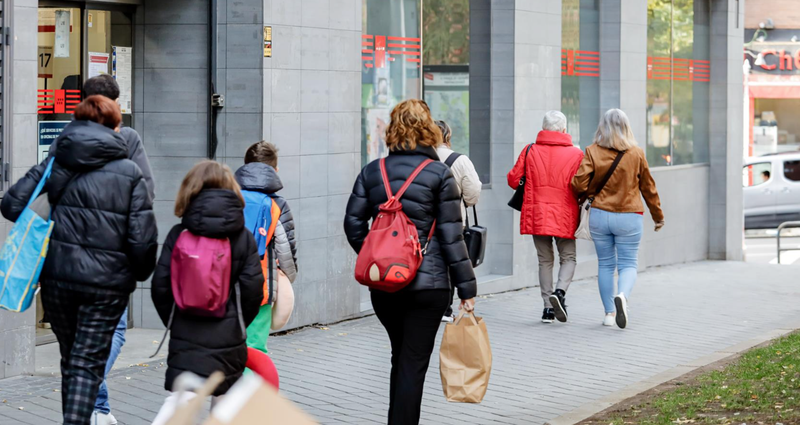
<point>103,241</point>
<point>412,315</point>
<point>210,205</point>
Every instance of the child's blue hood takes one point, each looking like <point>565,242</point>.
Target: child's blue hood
<point>258,177</point>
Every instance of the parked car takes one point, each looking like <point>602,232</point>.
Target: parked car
<point>771,190</point>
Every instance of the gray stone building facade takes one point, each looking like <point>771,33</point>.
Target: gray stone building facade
<point>325,85</point>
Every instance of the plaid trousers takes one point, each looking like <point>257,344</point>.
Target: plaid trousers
<point>84,324</point>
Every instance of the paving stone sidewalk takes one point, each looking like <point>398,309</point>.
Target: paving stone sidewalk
<point>340,374</point>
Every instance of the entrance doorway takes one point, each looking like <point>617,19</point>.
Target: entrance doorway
<point>77,41</point>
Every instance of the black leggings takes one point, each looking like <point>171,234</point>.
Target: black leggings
<point>411,319</point>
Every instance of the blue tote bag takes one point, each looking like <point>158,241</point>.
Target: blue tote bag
<point>23,253</point>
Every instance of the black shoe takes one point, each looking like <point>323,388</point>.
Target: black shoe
<point>548,316</point>
<point>559,307</point>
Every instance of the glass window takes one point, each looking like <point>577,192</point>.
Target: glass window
<point>678,74</point>
<point>791,170</point>
<point>757,174</point>
<point>60,72</point>
<point>390,67</point>
<point>445,53</point>
<point>580,68</point>
<point>110,38</point>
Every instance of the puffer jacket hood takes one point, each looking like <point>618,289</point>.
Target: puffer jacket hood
<point>259,177</point>
<point>214,213</point>
<point>85,146</point>
<point>203,345</point>
<point>432,196</point>
<point>105,236</point>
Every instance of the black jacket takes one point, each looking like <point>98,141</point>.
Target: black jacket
<point>136,153</point>
<point>433,195</point>
<point>105,236</point>
<point>204,345</point>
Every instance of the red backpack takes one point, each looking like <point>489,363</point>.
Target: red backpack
<point>392,253</point>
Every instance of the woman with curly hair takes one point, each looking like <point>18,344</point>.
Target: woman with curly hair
<point>412,315</point>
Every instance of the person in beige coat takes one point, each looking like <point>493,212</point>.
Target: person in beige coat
<point>467,179</point>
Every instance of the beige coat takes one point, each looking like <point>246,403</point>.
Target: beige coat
<point>467,179</point>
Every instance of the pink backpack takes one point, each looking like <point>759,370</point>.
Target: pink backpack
<point>201,274</point>
<point>200,270</point>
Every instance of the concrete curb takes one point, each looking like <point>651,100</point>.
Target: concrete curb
<point>590,409</point>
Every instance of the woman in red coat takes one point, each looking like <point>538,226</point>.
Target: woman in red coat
<point>549,207</point>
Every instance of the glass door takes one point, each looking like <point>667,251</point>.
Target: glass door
<point>74,44</point>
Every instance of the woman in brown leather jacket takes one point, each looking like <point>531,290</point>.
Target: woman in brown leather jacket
<point>616,218</point>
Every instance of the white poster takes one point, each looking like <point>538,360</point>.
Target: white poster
<point>62,33</point>
<point>98,64</point>
<point>121,65</point>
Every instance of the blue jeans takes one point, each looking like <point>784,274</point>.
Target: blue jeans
<point>616,238</point>
<point>101,404</point>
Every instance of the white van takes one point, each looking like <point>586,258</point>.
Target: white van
<point>771,190</point>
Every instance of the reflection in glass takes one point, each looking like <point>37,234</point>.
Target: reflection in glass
<point>445,51</point>
<point>678,74</point>
<point>391,63</point>
<point>580,68</point>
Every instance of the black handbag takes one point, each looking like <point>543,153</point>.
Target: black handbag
<point>519,194</point>
<point>475,238</point>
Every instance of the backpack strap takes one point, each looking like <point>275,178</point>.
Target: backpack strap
<point>451,159</point>
<point>402,190</point>
<point>166,331</point>
<point>408,182</point>
<point>237,290</point>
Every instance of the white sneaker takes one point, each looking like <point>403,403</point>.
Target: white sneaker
<point>622,310</point>
<point>100,418</point>
<point>447,319</point>
<point>608,320</point>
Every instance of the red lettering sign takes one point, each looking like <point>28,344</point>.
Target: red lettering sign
<point>580,63</point>
<point>58,101</point>
<point>785,60</point>
<point>678,69</point>
<point>379,49</point>
<point>764,65</point>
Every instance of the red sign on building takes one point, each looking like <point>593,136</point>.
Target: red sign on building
<point>660,68</point>
<point>58,101</point>
<point>580,63</point>
<point>379,49</point>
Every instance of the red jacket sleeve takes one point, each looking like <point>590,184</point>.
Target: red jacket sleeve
<point>518,171</point>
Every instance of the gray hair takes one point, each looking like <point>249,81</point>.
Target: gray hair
<point>614,131</point>
<point>554,121</point>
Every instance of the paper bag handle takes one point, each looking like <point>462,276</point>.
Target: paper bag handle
<point>471,315</point>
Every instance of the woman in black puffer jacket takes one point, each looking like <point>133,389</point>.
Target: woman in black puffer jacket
<point>210,205</point>
<point>412,315</point>
<point>103,241</point>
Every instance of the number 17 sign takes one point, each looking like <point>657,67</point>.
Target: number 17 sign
<point>45,62</point>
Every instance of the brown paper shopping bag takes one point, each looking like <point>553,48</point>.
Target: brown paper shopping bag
<point>465,359</point>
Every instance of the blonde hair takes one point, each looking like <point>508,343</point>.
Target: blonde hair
<point>411,125</point>
<point>614,131</point>
<point>205,175</point>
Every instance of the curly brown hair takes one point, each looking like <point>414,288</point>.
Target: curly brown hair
<point>412,125</point>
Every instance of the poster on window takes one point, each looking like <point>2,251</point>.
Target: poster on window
<point>98,64</point>
<point>121,68</point>
<point>447,95</point>
<point>61,46</point>
<point>377,122</point>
